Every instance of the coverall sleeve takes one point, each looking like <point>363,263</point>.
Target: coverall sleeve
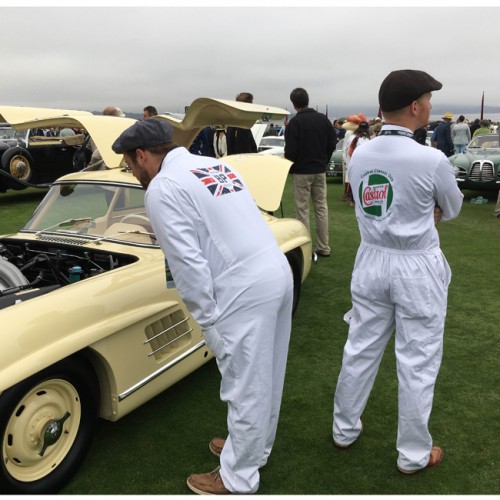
<point>172,215</point>
<point>446,192</point>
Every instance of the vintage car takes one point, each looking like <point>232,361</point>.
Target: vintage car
<point>91,322</point>
<point>334,168</point>
<point>272,145</point>
<point>28,158</point>
<point>478,167</point>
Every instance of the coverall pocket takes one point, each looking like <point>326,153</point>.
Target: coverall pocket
<point>215,342</point>
<point>413,296</point>
<point>442,267</point>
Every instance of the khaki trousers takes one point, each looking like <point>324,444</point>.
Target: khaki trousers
<point>313,187</point>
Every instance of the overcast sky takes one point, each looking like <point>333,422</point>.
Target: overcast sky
<point>88,58</point>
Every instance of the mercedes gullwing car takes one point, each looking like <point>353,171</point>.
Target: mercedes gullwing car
<point>91,322</point>
<point>478,167</point>
<point>29,158</point>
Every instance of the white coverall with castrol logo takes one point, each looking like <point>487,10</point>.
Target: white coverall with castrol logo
<point>237,284</point>
<point>400,280</point>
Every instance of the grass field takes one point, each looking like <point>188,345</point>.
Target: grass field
<point>155,448</point>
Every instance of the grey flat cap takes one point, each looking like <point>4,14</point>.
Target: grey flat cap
<point>143,135</point>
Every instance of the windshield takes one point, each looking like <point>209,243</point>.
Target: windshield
<point>484,141</point>
<point>94,209</point>
<point>7,133</point>
<point>272,141</point>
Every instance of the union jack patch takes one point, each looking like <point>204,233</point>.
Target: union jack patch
<point>219,180</point>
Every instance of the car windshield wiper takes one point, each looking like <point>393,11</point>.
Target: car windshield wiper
<point>114,236</point>
<point>90,222</point>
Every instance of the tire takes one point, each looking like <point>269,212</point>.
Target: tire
<point>18,162</point>
<point>46,426</point>
<point>295,260</point>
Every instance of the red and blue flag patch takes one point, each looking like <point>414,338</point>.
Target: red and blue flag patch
<point>219,179</point>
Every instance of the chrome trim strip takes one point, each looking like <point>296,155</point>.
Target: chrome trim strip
<point>170,342</point>
<point>164,331</point>
<point>158,372</point>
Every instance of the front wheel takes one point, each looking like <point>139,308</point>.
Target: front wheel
<point>46,425</point>
<point>18,162</point>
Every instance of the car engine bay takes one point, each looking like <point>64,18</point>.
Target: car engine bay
<point>29,269</point>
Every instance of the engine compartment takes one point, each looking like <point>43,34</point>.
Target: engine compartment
<point>29,269</point>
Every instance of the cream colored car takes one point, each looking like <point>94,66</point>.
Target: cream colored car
<point>91,322</point>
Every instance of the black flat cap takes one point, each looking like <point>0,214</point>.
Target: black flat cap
<point>144,134</point>
<point>400,88</point>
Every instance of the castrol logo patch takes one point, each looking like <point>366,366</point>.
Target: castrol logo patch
<point>375,193</point>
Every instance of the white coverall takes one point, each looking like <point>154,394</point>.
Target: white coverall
<point>237,284</point>
<point>400,280</point>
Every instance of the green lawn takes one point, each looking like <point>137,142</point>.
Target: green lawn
<point>155,448</point>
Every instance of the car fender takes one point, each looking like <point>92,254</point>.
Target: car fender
<point>10,182</point>
<point>62,327</point>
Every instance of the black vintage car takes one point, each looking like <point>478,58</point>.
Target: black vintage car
<point>31,158</point>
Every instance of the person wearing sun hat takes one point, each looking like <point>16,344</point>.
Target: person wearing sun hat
<point>350,125</point>
<point>400,279</point>
<point>441,137</point>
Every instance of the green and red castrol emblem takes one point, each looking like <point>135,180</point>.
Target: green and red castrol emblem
<point>375,193</point>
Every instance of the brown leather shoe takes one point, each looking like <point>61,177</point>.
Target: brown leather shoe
<point>207,484</point>
<point>216,445</point>
<point>435,459</point>
<point>344,447</point>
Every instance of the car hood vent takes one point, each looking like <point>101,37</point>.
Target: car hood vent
<point>168,335</point>
<point>71,240</point>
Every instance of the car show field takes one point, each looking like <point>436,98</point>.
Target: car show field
<point>152,449</point>
<point>149,436</point>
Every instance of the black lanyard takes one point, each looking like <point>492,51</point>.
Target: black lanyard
<point>402,133</point>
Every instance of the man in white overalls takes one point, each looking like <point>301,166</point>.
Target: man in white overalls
<point>400,278</point>
<point>236,283</point>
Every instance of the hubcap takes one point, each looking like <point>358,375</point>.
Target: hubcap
<point>41,430</point>
<point>19,167</point>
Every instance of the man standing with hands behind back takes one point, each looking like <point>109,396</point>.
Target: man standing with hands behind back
<point>401,277</point>
<point>310,141</point>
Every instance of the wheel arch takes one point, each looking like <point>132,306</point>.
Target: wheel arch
<point>19,402</point>
<point>295,259</point>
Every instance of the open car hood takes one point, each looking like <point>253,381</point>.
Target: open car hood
<point>206,111</point>
<point>264,176</point>
<point>19,114</point>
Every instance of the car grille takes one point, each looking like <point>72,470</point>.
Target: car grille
<point>168,335</point>
<point>482,171</point>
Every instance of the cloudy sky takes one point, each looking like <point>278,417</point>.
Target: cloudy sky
<point>130,56</point>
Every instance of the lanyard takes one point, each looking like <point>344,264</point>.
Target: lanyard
<point>402,133</point>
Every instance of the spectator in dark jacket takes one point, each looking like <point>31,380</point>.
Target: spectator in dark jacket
<point>441,137</point>
<point>240,140</point>
<point>420,135</point>
<point>309,143</point>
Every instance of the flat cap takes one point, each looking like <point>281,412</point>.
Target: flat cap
<point>400,88</point>
<point>144,134</point>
